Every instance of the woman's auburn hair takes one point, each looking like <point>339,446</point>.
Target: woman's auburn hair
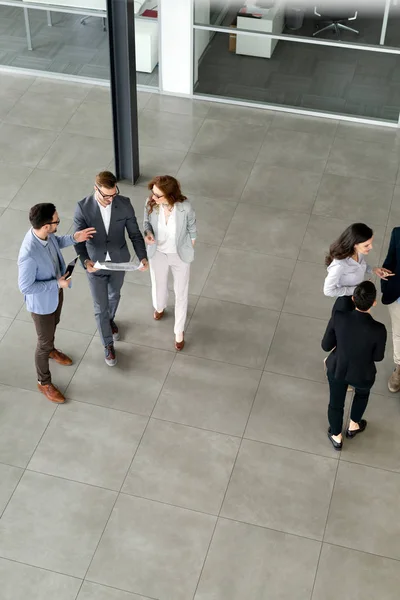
<point>169,186</point>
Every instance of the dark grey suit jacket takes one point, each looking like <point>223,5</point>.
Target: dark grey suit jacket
<point>87,214</point>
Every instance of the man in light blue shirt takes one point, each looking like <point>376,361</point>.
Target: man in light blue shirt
<point>41,278</point>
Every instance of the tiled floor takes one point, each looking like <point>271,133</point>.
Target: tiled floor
<point>205,475</point>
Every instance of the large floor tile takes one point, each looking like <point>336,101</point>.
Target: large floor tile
<point>11,298</point>
<point>182,465</point>
<point>24,417</point>
<point>210,395</point>
<point>156,161</point>
<point>204,258</point>
<point>384,370</point>
<point>267,230</point>
<point>13,177</point>
<point>77,155</point>
<point>245,561</point>
<point>212,217</point>
<point>38,110</point>
<point>42,525</point>
<point>295,150</point>
<point>133,385</point>
<point>179,106</point>
<point>9,478</point>
<point>291,412</point>
<point>93,119</point>
<point>380,447</point>
<point>293,122</point>
<point>16,81</point>
<point>364,510</point>
<point>231,332</point>
<point>249,278</point>
<point>240,114</point>
<point>369,134</point>
<point>355,158</point>
<point>17,356</point>
<point>394,213</point>
<point>371,576</point>
<point>354,199</point>
<point>167,130</point>
<point>305,295</point>
<point>90,444</point>
<point>8,99</point>
<point>296,348</point>
<point>19,582</point>
<point>259,491</point>
<point>56,89</point>
<point>94,591</point>
<point>280,187</point>
<point>227,139</point>
<point>24,146</point>
<point>214,177</point>
<point>5,324</point>
<point>152,549</point>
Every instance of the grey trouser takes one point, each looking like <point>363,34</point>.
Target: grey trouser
<point>106,293</point>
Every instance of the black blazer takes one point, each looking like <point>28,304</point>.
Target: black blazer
<point>357,341</point>
<point>87,214</point>
<point>391,287</point>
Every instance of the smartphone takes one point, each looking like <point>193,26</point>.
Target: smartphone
<point>70,268</point>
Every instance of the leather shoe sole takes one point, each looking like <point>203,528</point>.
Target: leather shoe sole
<point>351,434</point>
<point>336,445</point>
<point>51,393</point>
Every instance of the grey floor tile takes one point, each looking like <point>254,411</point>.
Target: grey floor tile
<point>214,177</point>
<point>16,81</point>
<point>38,110</point>
<point>213,217</point>
<point>380,313</point>
<point>180,106</point>
<point>19,582</point>
<point>65,158</point>
<point>306,124</point>
<point>55,90</point>
<point>152,549</point>
<point>24,146</point>
<point>258,492</point>
<point>305,295</point>
<point>240,114</point>
<point>13,177</point>
<point>11,299</point>
<point>364,510</point>
<point>354,199</point>
<point>249,278</point>
<point>90,444</point>
<point>156,161</point>
<point>204,258</point>
<point>229,139</point>
<point>245,561</point>
<point>17,351</point>
<point>167,130</point>
<point>267,230</point>
<point>24,418</point>
<point>384,370</point>
<point>13,226</point>
<point>295,150</point>
<point>8,99</point>
<point>93,119</point>
<point>370,575</point>
<point>354,158</point>
<point>133,385</point>
<point>369,133</point>
<point>9,478</point>
<point>231,332</point>
<point>296,348</point>
<point>43,521</point>
<point>380,447</point>
<point>183,466</point>
<point>280,187</point>
<point>5,324</point>
<point>220,396</point>
<point>291,412</point>
<point>394,214</point>
<point>94,591</point>
<point>102,93</point>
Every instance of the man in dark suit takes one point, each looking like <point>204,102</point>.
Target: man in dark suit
<point>391,296</point>
<point>356,341</point>
<point>111,214</point>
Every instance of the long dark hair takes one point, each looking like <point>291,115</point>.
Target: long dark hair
<point>343,247</point>
<point>170,187</point>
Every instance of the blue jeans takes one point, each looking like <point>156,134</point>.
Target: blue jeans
<point>338,390</point>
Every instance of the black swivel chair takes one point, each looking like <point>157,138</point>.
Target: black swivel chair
<point>336,23</point>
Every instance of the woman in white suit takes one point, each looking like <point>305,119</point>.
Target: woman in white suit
<point>170,234</point>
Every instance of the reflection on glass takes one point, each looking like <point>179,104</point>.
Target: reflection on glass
<point>147,42</point>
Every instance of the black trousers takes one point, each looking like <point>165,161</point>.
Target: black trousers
<point>337,390</point>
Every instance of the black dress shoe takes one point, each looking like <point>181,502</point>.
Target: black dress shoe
<point>335,444</point>
<point>362,424</point>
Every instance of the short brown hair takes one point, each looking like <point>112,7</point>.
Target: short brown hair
<point>170,187</point>
<point>106,179</point>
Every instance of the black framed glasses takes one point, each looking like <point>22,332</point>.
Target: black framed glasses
<point>54,222</point>
<point>107,196</point>
<point>157,195</point>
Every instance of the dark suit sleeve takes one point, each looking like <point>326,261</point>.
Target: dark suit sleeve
<point>80,223</point>
<point>379,351</point>
<point>134,233</point>
<point>329,339</point>
<point>391,258</point>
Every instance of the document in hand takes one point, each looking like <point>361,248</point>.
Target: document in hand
<point>110,266</point>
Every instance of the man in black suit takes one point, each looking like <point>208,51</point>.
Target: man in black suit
<point>391,296</point>
<point>111,214</point>
<point>356,341</point>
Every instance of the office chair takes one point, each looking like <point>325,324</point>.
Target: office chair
<point>83,21</point>
<point>336,24</point>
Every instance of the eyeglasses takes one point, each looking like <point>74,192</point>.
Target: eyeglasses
<point>157,195</point>
<point>107,196</point>
<point>54,222</point>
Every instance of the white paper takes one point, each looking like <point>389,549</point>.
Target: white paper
<point>110,266</point>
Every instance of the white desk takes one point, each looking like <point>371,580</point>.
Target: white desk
<point>271,22</point>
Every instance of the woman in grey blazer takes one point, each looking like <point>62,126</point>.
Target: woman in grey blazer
<point>170,234</point>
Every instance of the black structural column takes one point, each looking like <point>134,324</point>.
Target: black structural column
<point>121,35</point>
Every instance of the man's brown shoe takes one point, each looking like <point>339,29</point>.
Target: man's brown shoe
<point>51,393</point>
<point>158,315</point>
<point>60,358</point>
